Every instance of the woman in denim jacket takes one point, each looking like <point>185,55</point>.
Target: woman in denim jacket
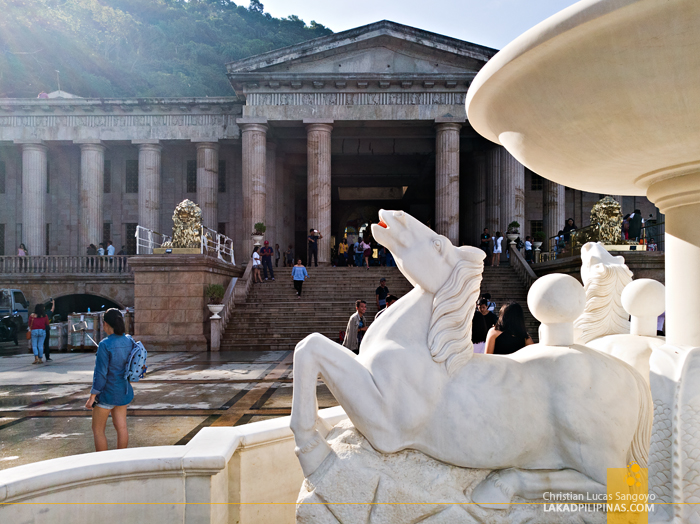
<point>111,392</point>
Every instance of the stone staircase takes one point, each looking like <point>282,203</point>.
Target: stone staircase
<point>273,319</point>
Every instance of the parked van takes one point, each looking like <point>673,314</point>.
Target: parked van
<point>13,300</point>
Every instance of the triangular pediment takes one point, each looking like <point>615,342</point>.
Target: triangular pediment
<point>380,48</point>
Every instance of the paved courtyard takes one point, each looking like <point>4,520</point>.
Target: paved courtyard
<point>42,414</point>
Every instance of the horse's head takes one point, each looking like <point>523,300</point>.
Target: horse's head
<point>594,257</point>
<point>604,278</point>
<point>424,257</point>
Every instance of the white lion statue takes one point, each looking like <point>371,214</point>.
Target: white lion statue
<point>604,277</point>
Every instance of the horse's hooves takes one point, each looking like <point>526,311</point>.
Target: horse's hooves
<point>493,492</point>
<point>312,454</point>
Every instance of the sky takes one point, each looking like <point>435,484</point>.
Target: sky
<point>492,23</point>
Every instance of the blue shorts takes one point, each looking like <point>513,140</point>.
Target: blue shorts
<point>103,405</point>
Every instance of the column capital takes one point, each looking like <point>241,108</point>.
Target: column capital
<point>148,145</point>
<point>209,144</point>
<point>32,145</point>
<point>324,127</point>
<point>248,127</point>
<point>447,126</point>
<point>90,145</point>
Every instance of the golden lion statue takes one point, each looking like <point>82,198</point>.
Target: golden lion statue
<point>187,226</point>
<point>607,214</point>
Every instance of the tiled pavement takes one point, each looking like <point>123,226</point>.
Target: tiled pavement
<point>42,414</point>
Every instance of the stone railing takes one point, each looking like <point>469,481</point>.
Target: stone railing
<point>218,325</point>
<point>65,264</point>
<point>522,267</point>
<point>247,474</point>
<point>240,292</point>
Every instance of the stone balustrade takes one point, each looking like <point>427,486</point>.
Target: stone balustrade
<point>64,264</point>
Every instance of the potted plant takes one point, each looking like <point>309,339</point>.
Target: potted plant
<point>258,233</point>
<point>215,294</point>
<point>512,232</point>
<point>539,238</point>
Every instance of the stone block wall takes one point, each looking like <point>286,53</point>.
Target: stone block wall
<point>170,307</point>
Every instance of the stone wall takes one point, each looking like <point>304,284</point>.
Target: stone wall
<point>171,312</point>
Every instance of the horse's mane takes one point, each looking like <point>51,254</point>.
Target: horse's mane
<point>450,334</point>
<point>604,314</point>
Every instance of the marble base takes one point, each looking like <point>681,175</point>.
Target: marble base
<point>356,483</point>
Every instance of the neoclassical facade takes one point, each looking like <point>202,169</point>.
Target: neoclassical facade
<point>319,135</point>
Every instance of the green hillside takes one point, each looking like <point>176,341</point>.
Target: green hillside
<point>134,48</point>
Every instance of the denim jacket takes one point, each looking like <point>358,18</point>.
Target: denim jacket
<point>108,380</point>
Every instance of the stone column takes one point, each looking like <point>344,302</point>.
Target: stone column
<point>479,197</point>
<point>447,180</point>
<point>512,191</point>
<point>254,164</point>
<point>149,184</point>
<point>493,191</point>
<point>208,182</point>
<point>34,180</point>
<point>553,209</point>
<point>92,170</point>
<point>289,207</point>
<point>318,215</point>
<point>271,193</point>
<point>280,197</point>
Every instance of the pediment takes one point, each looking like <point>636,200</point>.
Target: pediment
<point>380,48</point>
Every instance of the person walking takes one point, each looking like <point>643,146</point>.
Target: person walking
<point>122,258</point>
<point>509,334</point>
<point>356,327</point>
<point>366,252</point>
<point>267,254</point>
<point>299,275</point>
<point>314,237</point>
<point>358,252</point>
<point>484,244</point>
<point>47,345</point>
<point>351,253</point>
<point>289,256</point>
<point>482,322</point>
<point>343,252</point>
<point>22,252</point>
<point>528,249</point>
<point>497,249</point>
<point>277,256</point>
<point>111,392</point>
<point>37,326</point>
<point>568,228</point>
<point>256,265</point>
<point>381,293</point>
<point>382,256</point>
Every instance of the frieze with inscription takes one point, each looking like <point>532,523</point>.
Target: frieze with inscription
<point>115,120</point>
<point>354,99</point>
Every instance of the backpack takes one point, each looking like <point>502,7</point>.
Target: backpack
<point>136,365</point>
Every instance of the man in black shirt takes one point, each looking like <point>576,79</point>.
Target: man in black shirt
<point>381,293</point>
<point>314,237</point>
<point>482,322</point>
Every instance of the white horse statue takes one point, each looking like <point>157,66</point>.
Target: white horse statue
<point>547,418</point>
<point>604,324</point>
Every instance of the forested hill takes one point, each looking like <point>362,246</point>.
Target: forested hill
<point>134,48</point>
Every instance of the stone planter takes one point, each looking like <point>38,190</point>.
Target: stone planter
<point>537,245</point>
<point>215,309</point>
<point>257,239</point>
<point>512,237</point>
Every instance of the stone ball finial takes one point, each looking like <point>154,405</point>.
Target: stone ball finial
<point>644,299</point>
<point>556,300</point>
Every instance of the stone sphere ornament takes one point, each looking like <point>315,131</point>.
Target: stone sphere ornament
<point>556,301</point>
<point>644,300</point>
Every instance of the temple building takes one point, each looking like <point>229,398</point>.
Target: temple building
<point>318,135</point>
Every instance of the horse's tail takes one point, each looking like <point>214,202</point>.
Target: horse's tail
<point>639,450</point>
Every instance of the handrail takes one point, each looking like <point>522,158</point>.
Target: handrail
<point>228,303</point>
<point>522,268</point>
<point>147,240</point>
<point>242,288</point>
<point>65,264</point>
<point>220,244</point>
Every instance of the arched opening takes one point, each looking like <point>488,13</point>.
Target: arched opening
<point>68,304</point>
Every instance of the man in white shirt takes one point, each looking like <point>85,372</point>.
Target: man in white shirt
<point>110,252</point>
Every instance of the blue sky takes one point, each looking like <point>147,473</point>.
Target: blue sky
<point>492,23</point>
